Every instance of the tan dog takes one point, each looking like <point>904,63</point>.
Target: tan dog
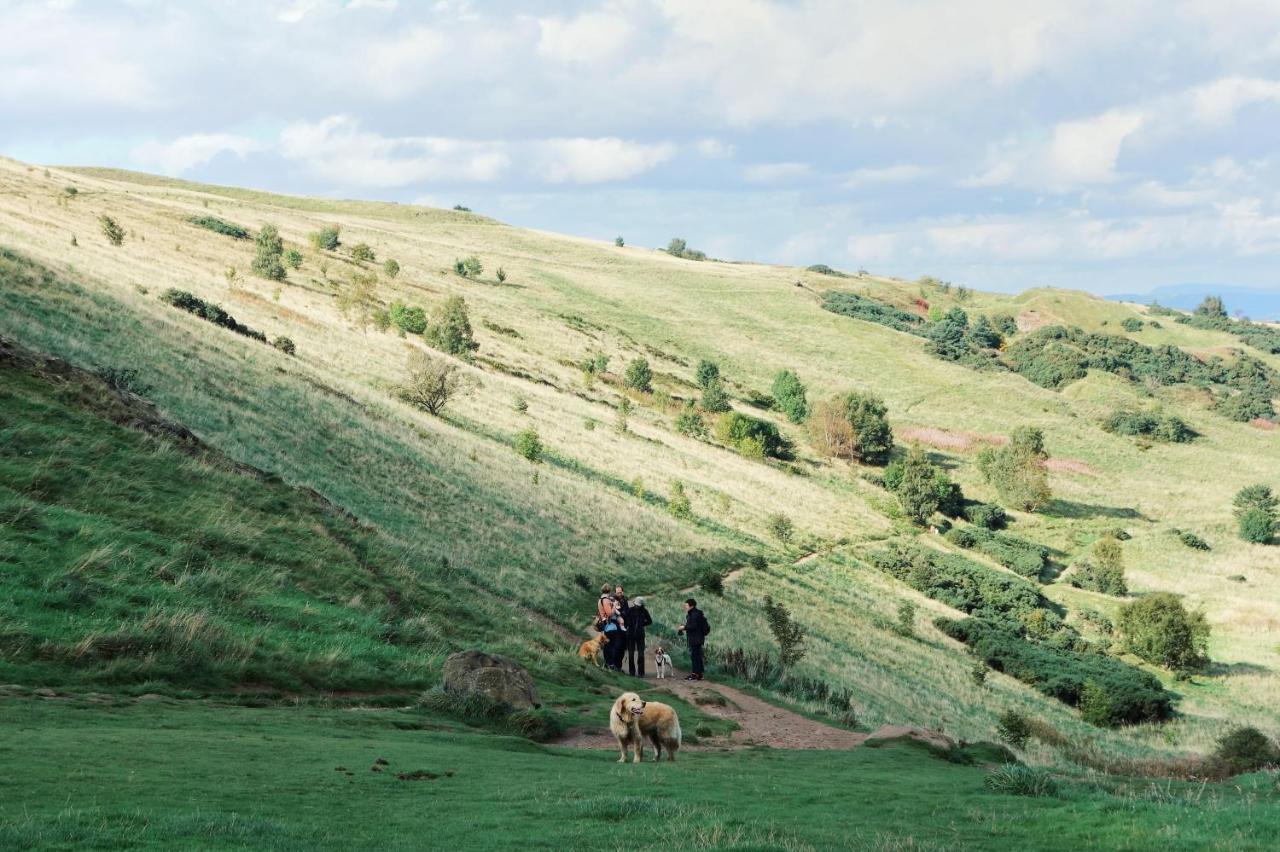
<point>624,722</point>
<point>593,648</point>
<point>662,726</point>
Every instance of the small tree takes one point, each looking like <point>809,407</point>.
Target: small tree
<point>906,618</point>
<point>450,329</point>
<point>786,632</point>
<point>325,239</point>
<point>472,266</point>
<point>706,373</point>
<point>780,527</point>
<point>529,445</point>
<point>111,230</point>
<point>830,431</point>
<point>285,345</point>
<point>1018,470</point>
<point>639,376</point>
<point>359,299</point>
<point>678,502</point>
<point>689,422</point>
<point>391,268</point>
<point>432,382</point>
<point>677,247</point>
<point>873,439</point>
<point>621,415</point>
<point>363,253</point>
<point>1211,306</point>
<point>714,397</point>
<point>1255,510</point>
<point>293,258</point>
<point>916,492</point>
<point>1160,630</point>
<point>1014,729</point>
<point>501,275</point>
<point>269,253</point>
<point>789,396</point>
<point>411,320</point>
<point>619,242</point>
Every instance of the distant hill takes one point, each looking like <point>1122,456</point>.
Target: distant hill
<point>1254,302</point>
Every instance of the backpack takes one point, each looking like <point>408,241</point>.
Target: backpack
<point>706,625</point>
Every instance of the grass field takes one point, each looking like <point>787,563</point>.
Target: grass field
<point>514,536</point>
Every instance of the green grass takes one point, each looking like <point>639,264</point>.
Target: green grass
<point>189,776</point>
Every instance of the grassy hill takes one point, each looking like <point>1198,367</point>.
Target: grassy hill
<point>473,535</point>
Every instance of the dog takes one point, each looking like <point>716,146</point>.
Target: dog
<point>593,648</point>
<point>662,661</point>
<point>624,722</point>
<point>661,725</point>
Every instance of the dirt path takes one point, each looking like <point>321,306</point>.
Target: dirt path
<point>759,722</point>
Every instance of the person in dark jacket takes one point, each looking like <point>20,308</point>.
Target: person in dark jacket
<point>638,619</point>
<point>695,629</point>
<point>619,649</point>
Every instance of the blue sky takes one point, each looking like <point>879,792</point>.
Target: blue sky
<point>1110,146</point>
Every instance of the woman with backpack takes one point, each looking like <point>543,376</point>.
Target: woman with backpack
<point>609,622</point>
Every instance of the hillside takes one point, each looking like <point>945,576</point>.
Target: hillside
<point>457,509</point>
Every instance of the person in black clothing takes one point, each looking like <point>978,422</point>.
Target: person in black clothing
<point>618,650</point>
<point>695,629</point>
<point>637,620</point>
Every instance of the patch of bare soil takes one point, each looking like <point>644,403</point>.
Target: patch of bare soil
<point>944,439</point>
<point>1071,466</point>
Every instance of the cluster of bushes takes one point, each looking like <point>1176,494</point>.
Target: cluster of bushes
<point>860,307</point>
<point>218,226</point>
<point>207,310</point>
<point>1112,692</point>
<point>989,516</point>
<point>854,427</point>
<point>679,248</point>
<point>1161,427</point>
<point>1021,556</point>
<point>1132,325</point>
<point>823,269</point>
<point>1107,579</point>
<point>953,338</point>
<point>961,583</point>
<point>751,436</point>
<point>1211,314</point>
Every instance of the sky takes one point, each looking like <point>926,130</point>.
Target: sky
<point>1002,144</point>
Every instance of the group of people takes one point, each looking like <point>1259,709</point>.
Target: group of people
<point>624,621</point>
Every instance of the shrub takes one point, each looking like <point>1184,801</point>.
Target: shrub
<point>786,632</point>
<point>714,397</point>
<point>678,504</point>
<point>218,226</point>
<point>870,310</point>
<point>1024,557</point>
<point>1170,428</point>
<point>750,435</point>
<point>450,329</point>
<point>1256,526</point>
<point>1013,728</point>
<point>1193,541</point>
<point>1211,306</point>
<point>124,379</point>
<point>269,251</point>
<point>391,268</point>
<point>501,275</point>
<point>1013,779</point>
<point>362,253</point>
<point>950,496</point>
<point>679,248</point>
<point>639,376</point>
<point>1005,324</point>
<point>961,583</point>
<point>1132,324</point>
<point>780,527</point>
<point>285,345</point>
<point>529,445</point>
<point>906,618</point>
<point>432,383</point>
<point>712,582</point>
<point>1018,470</point>
<point>619,242</point>
<point>689,422</point>
<point>111,230</point>
<point>1245,749</point>
<point>1160,630</point>
<point>461,209</point>
<point>706,373</point>
<point>789,396</point>
<point>411,320</point>
<point>979,673</point>
<point>471,267</point>
<point>293,259</point>
<point>916,493</point>
<point>1109,580</point>
<point>325,239</point>
<point>1255,509</point>
<point>208,311</point>
<point>758,562</point>
<point>987,515</point>
<point>867,414</point>
<point>358,300</point>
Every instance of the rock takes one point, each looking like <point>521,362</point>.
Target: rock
<point>497,678</point>
<point>382,761</point>
<point>46,692</point>
<point>935,739</point>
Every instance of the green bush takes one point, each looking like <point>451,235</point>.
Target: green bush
<point>870,310</point>
<point>715,398</point>
<point>639,376</point>
<point>706,373</point>
<point>1245,749</point>
<point>1019,555</point>
<point>269,252</point>
<point>325,239</point>
<point>1013,728</point>
<point>712,581</point>
<point>293,259</point>
<point>111,230</point>
<point>1160,630</point>
<point>1013,779</point>
<point>1107,579</point>
<point>391,268</point>
<point>679,248</point>
<point>689,422</point>
<point>1168,428</point>
<point>362,253</point>
<point>450,329</point>
<point>789,396</point>
<point>786,632</point>
<point>411,320</point>
<point>1018,470</point>
<point>1132,324</point>
<point>472,267</point>
<point>872,435</point>
<point>183,300</point>
<point>218,226</point>
<point>529,445</point>
<point>987,515</point>
<point>780,527</point>
<point>915,492</point>
<point>678,505</point>
<point>1256,526</point>
<point>1255,508</point>
<point>1193,541</point>
<point>750,435</point>
<point>961,583</point>
<point>285,345</point>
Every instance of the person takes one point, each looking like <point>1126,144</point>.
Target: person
<point>609,622</point>
<point>621,607</point>
<point>695,629</point>
<point>638,619</point>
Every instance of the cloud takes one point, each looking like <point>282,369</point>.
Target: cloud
<point>1075,153</point>
<point>188,152</point>
<point>1218,102</point>
<point>597,160</point>
<point>872,248</point>
<point>776,172</point>
<point>889,174</point>
<point>590,38</point>
<point>714,149</point>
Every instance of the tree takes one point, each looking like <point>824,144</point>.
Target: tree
<point>678,502</point>
<point>362,253</point>
<point>916,492</point>
<point>450,329</point>
<point>325,239</point>
<point>113,232</point>
<point>1160,630</point>
<point>689,422</point>
<point>359,299</point>
<point>619,242</point>
<point>432,382</point>
<point>269,251</point>
<point>639,376</point>
<point>984,334</point>
<point>1211,306</point>
<point>677,247</point>
<point>1018,470</point>
<point>789,396</point>
<point>949,494</point>
<point>830,431</point>
<point>873,439</point>
<point>411,320</point>
<point>529,445</point>
<point>714,397</point>
<point>1255,511</point>
<point>780,527</point>
<point>786,632</point>
<point>707,372</point>
<point>391,268</point>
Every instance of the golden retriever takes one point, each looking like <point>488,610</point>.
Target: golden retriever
<point>661,725</point>
<point>592,648</point>
<point>624,722</point>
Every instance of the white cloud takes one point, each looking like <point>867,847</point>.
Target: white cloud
<point>714,149</point>
<point>889,174</point>
<point>296,11</point>
<point>597,160</point>
<point>1086,151</point>
<point>776,172</point>
<point>592,37</point>
<point>872,248</point>
<point>188,152</point>
<point>376,5</point>
<point>1219,101</point>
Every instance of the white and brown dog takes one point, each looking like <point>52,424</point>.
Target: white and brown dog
<point>661,661</point>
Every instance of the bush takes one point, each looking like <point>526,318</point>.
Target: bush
<point>1245,749</point>
<point>916,493</point>
<point>411,320</point>
<point>750,435</point>
<point>1255,509</point>
<point>1256,526</point>
<point>689,422</point>
<point>706,373</point>
<point>285,345</point>
<point>1160,630</point>
<point>789,396</point>
<point>358,300</point>
<point>639,376</point>
<point>1132,324</point>
<point>362,253</point>
<point>501,275</point>
<point>679,248</point>
<point>1193,541</point>
<point>712,582</point>
<point>678,504</point>
<point>786,632</point>
<point>325,239</point>
<point>450,329</point>
<point>293,259</point>
<point>391,268</point>
<point>619,242</point>
<point>471,267</point>
<point>780,527</point>
<point>269,251</point>
<point>961,583</point>
<point>1013,779</point>
<point>852,427</point>
<point>124,379</point>
<point>870,310</point>
<point>906,618</point>
<point>715,398</point>
<point>1018,470</point>
<point>111,230</point>
<point>1024,557</point>
<point>987,515</point>
<point>529,445</point>
<point>1167,428</point>
<point>1013,728</point>
<point>208,311</point>
<point>432,383</point>
<point>218,226</point>
<point>1109,580</point>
